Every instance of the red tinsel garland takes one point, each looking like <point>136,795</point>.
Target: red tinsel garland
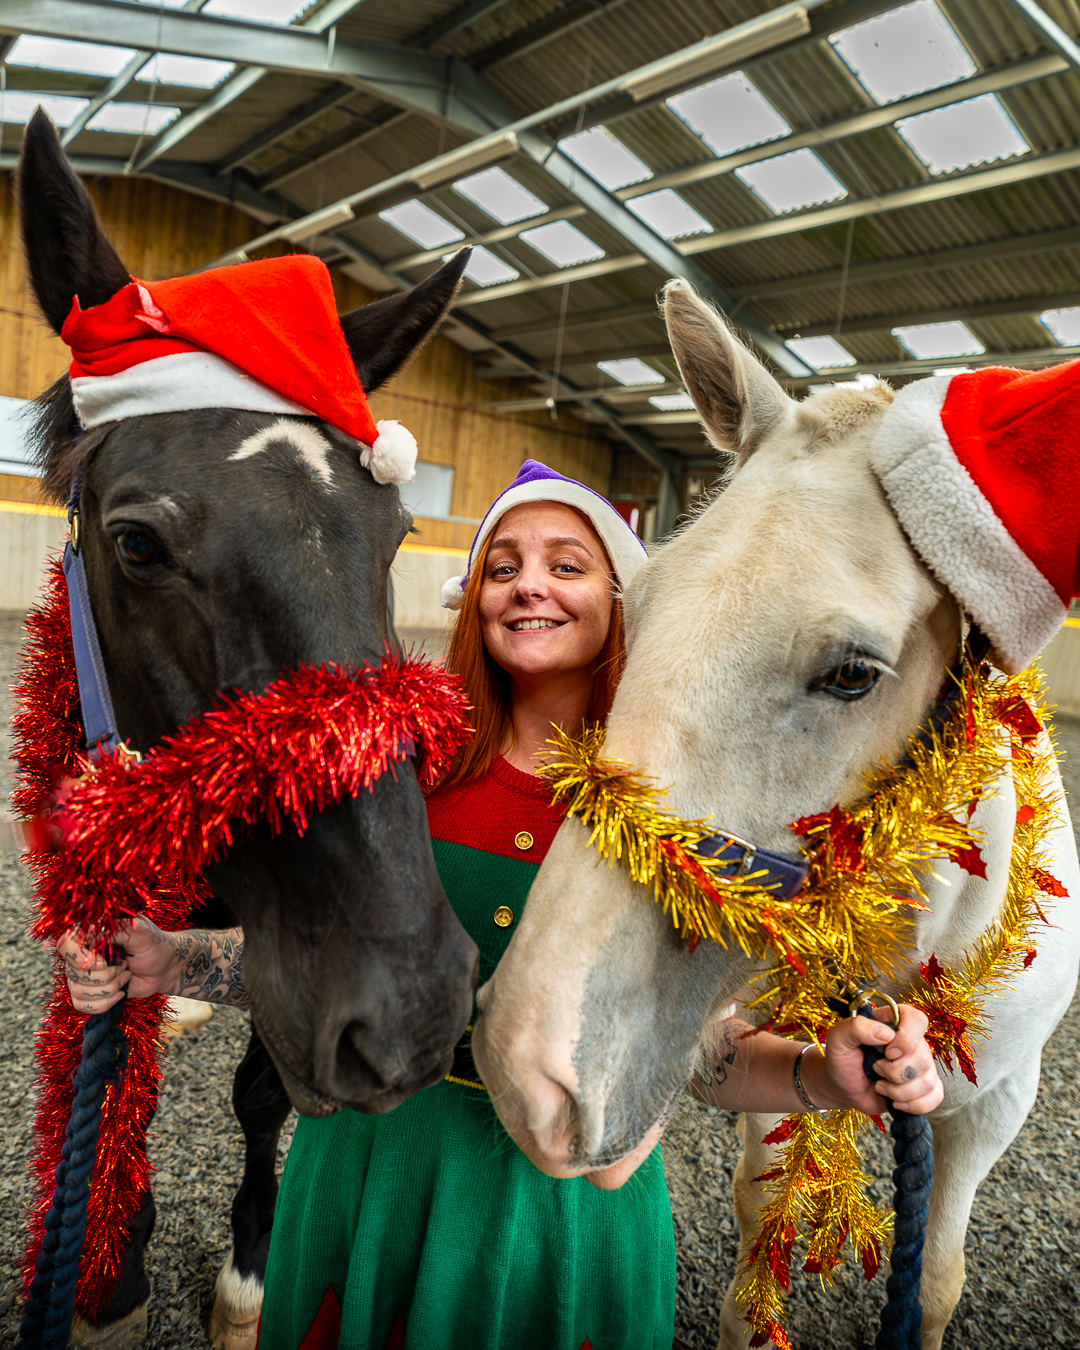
<point>136,839</point>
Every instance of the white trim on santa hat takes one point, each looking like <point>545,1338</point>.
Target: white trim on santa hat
<point>956,531</point>
<point>626,552</point>
<point>188,380</point>
<point>176,383</point>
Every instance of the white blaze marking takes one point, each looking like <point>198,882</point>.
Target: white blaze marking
<point>304,439</point>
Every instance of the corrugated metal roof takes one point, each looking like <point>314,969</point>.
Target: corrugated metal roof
<point>332,140</point>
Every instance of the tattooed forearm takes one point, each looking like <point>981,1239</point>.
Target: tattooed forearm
<point>729,1053</point>
<point>211,965</point>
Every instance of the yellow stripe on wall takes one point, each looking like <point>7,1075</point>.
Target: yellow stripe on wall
<point>31,508</point>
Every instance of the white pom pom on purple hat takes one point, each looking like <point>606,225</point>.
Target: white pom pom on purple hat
<point>392,456</point>
<point>453,592</point>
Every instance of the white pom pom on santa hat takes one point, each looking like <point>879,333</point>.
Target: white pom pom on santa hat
<point>392,456</point>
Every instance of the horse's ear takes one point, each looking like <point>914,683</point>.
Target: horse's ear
<point>65,245</point>
<point>386,334</point>
<point>737,399</point>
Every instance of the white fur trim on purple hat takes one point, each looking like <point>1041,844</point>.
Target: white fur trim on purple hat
<point>537,483</point>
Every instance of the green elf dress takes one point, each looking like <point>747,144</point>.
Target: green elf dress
<point>427,1228</point>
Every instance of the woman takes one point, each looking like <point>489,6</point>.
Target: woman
<point>426,1228</point>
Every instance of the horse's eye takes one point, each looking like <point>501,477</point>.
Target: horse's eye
<point>852,680</point>
<point>139,548</point>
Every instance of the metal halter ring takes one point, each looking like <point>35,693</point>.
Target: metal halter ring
<point>863,998</point>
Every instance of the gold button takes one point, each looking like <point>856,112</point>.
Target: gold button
<point>504,917</point>
<point>523,840</point>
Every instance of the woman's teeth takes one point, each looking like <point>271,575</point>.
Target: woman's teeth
<point>520,625</point>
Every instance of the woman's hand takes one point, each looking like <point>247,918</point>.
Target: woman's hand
<point>907,1075</point>
<point>151,965</point>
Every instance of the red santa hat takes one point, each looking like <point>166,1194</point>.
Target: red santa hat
<point>263,336</point>
<point>983,471</point>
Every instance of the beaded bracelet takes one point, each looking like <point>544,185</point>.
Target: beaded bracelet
<point>817,1110</point>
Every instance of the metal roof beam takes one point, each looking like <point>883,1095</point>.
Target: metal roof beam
<point>1052,32</point>
<point>887,269</point>
<point>593,358</point>
<point>1029,357</point>
<point>575,323</point>
<point>993,309</point>
<point>347,139</point>
<point>938,189</point>
<point>329,98</point>
<point>472,11</point>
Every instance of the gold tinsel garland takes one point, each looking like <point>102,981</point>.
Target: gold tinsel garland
<point>866,866</point>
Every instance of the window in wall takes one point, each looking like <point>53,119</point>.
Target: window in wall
<point>431,491</point>
<point>15,453</point>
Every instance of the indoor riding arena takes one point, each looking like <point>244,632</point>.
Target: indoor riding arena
<point>870,191</point>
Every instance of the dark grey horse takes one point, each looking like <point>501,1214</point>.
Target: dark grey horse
<point>210,574</point>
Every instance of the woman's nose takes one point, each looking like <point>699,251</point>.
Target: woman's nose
<point>531,583</point>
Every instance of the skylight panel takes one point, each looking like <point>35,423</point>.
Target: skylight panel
<point>931,341</point>
<point>668,214</point>
<point>672,402</point>
<point>729,114</point>
<point>18,107</point>
<point>631,370</point>
<point>485,269</point>
<point>973,132</point>
<point>823,353</point>
<point>904,52</point>
<point>259,11</point>
<point>193,72</point>
<point>132,119</point>
<point>422,225</point>
<point>501,196</point>
<point>1064,324</point>
<point>605,158</point>
<point>87,58</point>
<point>791,181</point>
<point>562,243</point>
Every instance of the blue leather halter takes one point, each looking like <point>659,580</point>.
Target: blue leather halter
<point>98,717</point>
<point>783,875</point>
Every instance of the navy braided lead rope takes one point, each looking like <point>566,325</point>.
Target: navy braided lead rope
<point>50,1306</point>
<point>913,1151</point>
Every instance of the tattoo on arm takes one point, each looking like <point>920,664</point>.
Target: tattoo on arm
<point>212,965</point>
<point>725,1052</point>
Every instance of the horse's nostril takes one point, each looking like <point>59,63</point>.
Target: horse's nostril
<point>355,1066</point>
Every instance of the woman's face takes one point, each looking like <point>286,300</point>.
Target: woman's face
<point>546,597</point>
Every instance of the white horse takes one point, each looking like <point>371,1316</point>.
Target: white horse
<point>797,573</point>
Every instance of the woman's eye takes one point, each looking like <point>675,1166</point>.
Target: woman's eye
<point>852,680</point>
<point>139,548</point>
<point>567,567</point>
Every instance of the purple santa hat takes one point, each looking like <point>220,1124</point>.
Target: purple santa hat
<point>537,483</point>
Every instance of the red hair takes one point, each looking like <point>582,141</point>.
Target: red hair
<point>488,685</point>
